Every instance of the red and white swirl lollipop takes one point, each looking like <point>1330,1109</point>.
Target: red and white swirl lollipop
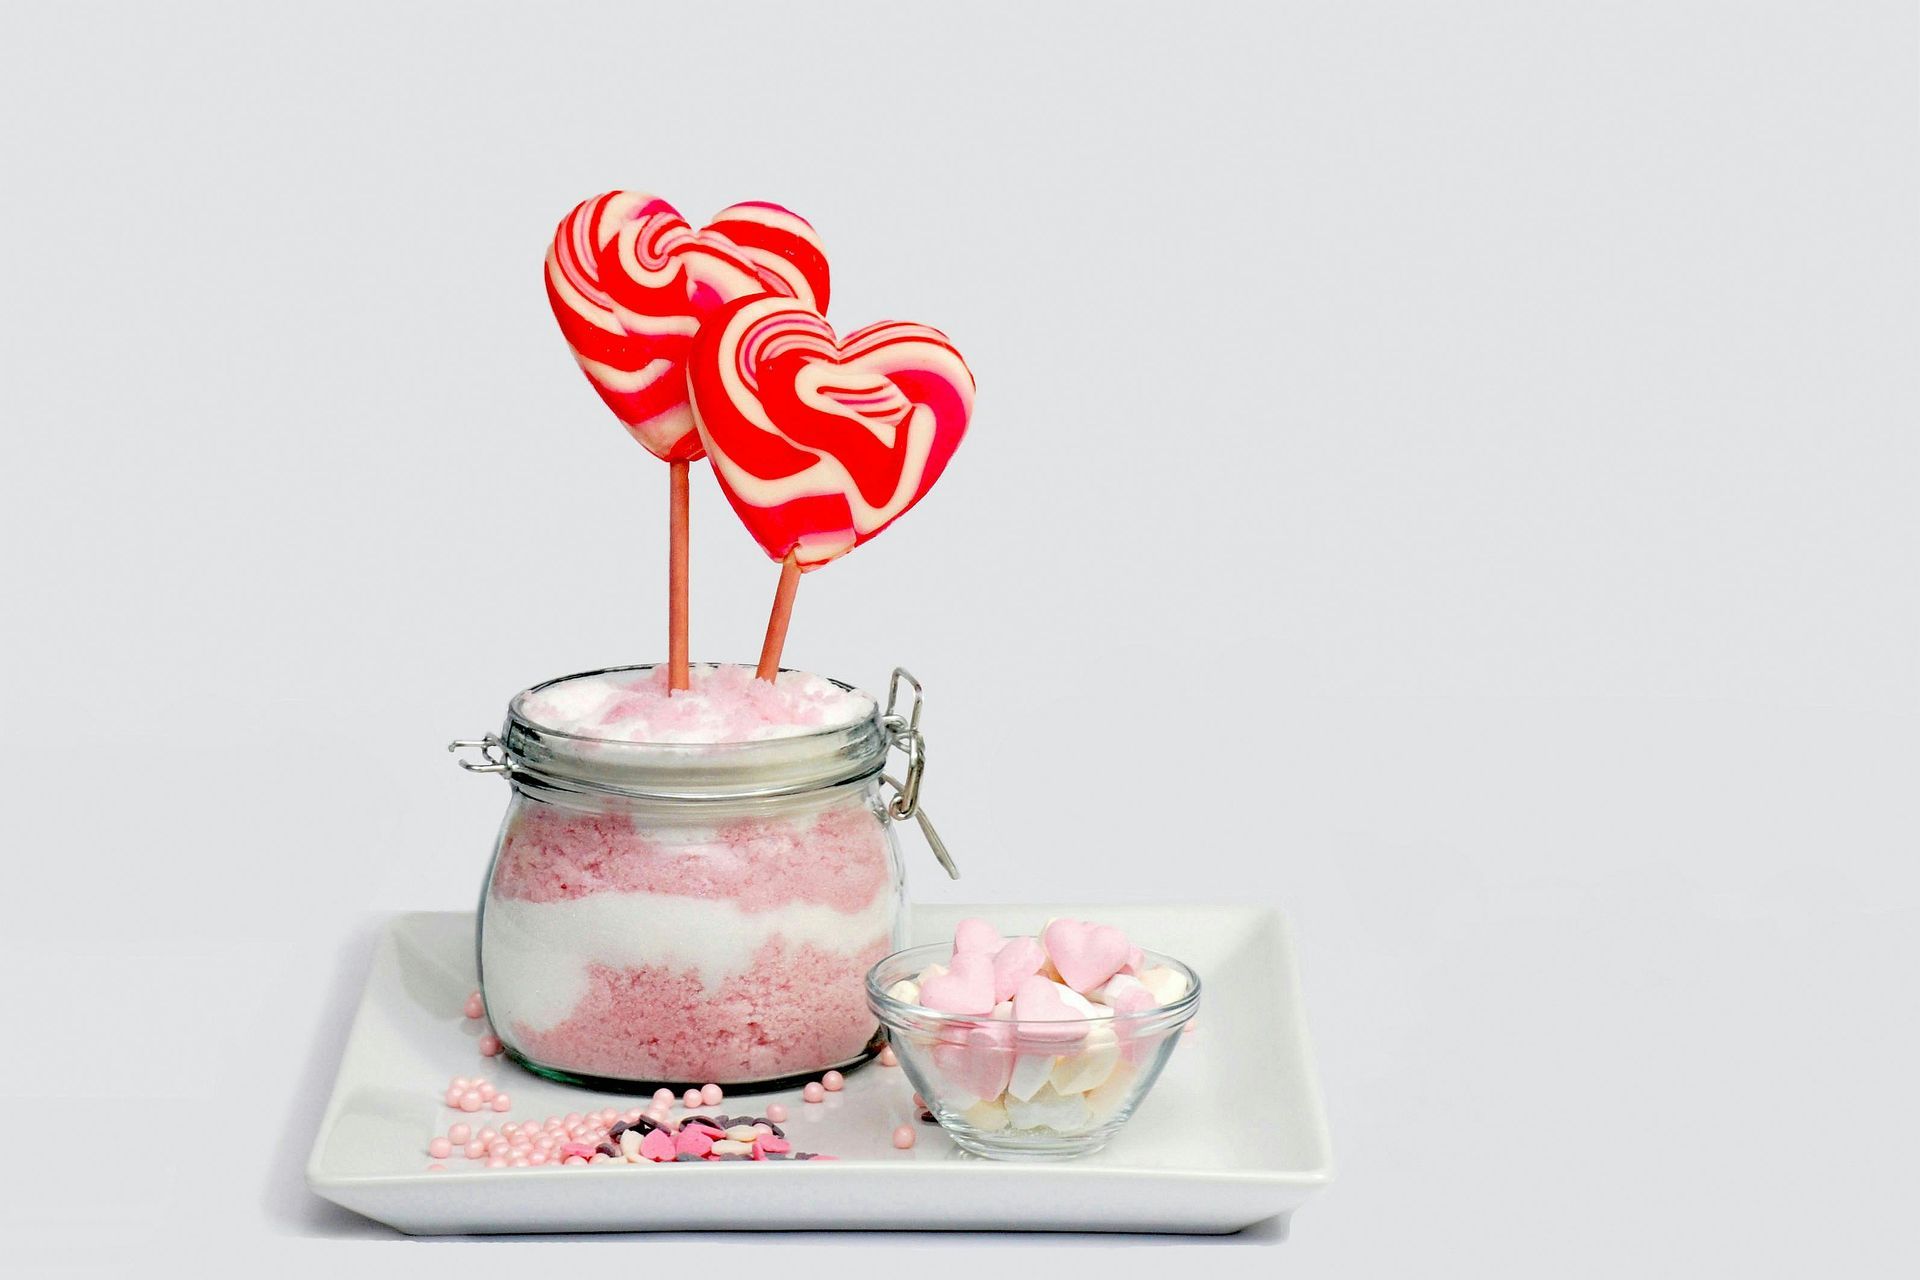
<point>818,441</point>
<point>630,283</point>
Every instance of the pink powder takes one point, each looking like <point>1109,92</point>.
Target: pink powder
<point>787,1014</point>
<point>837,857</point>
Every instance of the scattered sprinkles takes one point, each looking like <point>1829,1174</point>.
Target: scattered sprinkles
<point>476,1008</point>
<point>612,1136</point>
<point>903,1137</point>
<point>888,1058</point>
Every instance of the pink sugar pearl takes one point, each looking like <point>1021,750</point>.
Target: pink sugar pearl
<point>690,1099</point>
<point>833,1082</point>
<point>711,1095</point>
<point>573,1160</point>
<point>439,1148</point>
<point>474,1150</point>
<point>814,1093</point>
<point>776,1113</point>
<point>501,1102</point>
<point>470,1101</point>
<point>460,1133</point>
<point>663,1097</point>
<point>903,1137</point>
<point>476,1007</point>
<point>888,1058</point>
<point>436,1168</point>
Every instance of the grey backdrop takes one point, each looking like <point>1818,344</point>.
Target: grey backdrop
<point>1446,470</point>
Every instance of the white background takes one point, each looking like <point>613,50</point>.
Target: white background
<point>1446,470</point>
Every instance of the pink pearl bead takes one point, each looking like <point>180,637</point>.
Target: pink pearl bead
<point>690,1099</point>
<point>539,1156</point>
<point>497,1162</point>
<point>476,1007</point>
<point>521,1162</point>
<point>888,1058</point>
<point>469,1101</point>
<point>460,1133</point>
<point>573,1160</point>
<point>453,1097</point>
<point>573,1118</point>
<point>436,1168</point>
<point>633,1116</point>
<point>439,1148</point>
<point>598,1157</point>
<point>460,1084</point>
<point>903,1136</point>
<point>486,1135</point>
<point>776,1113</point>
<point>663,1097</point>
<point>501,1102</point>
<point>711,1095</point>
<point>490,1044</point>
<point>486,1091</point>
<point>474,1150</point>
<point>814,1093</point>
<point>833,1082</point>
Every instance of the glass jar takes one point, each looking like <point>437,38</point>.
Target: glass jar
<point>674,914</point>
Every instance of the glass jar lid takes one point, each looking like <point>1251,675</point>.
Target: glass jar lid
<point>553,750</point>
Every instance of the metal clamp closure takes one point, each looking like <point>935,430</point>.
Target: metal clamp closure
<point>491,751</point>
<point>904,734</point>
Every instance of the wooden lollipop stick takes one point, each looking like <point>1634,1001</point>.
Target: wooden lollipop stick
<point>777,622</point>
<point>677,582</point>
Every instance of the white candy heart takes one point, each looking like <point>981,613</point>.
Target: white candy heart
<point>1049,1110</point>
<point>1167,985</point>
<point>1030,1071</point>
<point>1088,1069</point>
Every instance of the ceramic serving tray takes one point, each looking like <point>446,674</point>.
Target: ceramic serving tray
<point>1233,1133</point>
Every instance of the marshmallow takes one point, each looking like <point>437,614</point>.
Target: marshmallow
<point>1167,985</point>
<point>1030,1071</point>
<point>1088,1069</point>
<point>989,1117</point>
<point>974,934</point>
<point>1017,960</point>
<point>1049,1110</point>
<point>966,987</point>
<point>906,991</point>
<point>1086,954</point>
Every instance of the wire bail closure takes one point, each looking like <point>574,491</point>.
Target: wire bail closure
<point>904,731</point>
<point>491,750</point>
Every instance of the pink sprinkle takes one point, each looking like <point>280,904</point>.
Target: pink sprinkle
<point>888,1058</point>
<point>486,1135</point>
<point>497,1162</point>
<point>460,1084</point>
<point>501,1102</point>
<point>814,1093</point>
<point>436,1168</point>
<point>538,1157</point>
<point>439,1148</point>
<point>460,1133</point>
<point>580,1149</point>
<point>574,1160</point>
<point>776,1113</point>
<point>693,1140</point>
<point>599,1157</point>
<point>663,1097</point>
<point>833,1082</point>
<point>658,1145</point>
<point>690,1099</point>
<point>486,1091</point>
<point>476,1007</point>
<point>521,1162</point>
<point>771,1145</point>
<point>474,1150</point>
<point>903,1137</point>
<point>469,1101</point>
<point>711,1095</point>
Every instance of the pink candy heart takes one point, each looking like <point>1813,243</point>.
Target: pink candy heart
<point>658,1145</point>
<point>1019,959</point>
<point>1086,954</point>
<point>966,987</point>
<point>981,1067</point>
<point>976,935</point>
<point>1037,1003</point>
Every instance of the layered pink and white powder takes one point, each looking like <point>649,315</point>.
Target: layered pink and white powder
<point>661,950</point>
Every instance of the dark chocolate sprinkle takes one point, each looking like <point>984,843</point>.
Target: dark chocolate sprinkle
<point>706,1120</point>
<point>926,1117</point>
<point>778,1132</point>
<point>607,1149</point>
<point>620,1127</point>
<point>685,1156</point>
<point>642,1126</point>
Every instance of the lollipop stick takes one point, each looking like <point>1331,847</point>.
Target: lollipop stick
<point>777,622</point>
<point>677,582</point>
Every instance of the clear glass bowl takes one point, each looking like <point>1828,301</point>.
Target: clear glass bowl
<point>1081,1078</point>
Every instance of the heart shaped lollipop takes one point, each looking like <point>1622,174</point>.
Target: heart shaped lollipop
<point>818,441</point>
<point>630,282</point>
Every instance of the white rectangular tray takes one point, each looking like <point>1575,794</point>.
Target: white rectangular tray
<point>1233,1133</point>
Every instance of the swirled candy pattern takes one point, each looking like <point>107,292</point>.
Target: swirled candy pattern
<point>818,441</point>
<point>630,281</point>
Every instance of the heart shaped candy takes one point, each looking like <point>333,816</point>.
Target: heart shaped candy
<point>630,281</point>
<point>818,441</point>
<point>1015,962</point>
<point>975,934</point>
<point>966,986</point>
<point>1038,1004</point>
<point>1086,954</point>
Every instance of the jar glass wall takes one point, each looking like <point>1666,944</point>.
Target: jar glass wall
<point>682,913</point>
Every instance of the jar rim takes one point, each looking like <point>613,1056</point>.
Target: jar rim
<point>819,758</point>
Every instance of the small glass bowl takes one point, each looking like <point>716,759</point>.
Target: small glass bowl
<point>1083,1077</point>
